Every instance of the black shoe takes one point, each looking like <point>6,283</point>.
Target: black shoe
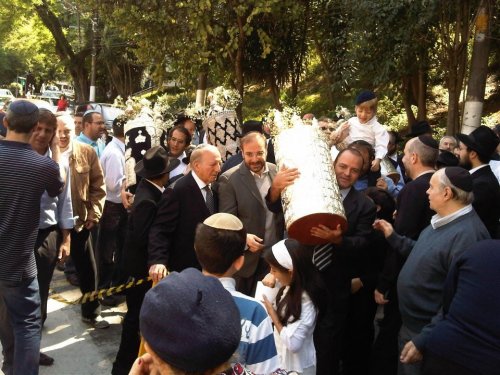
<point>73,279</point>
<point>97,322</point>
<point>45,360</point>
<point>110,301</point>
<point>60,266</point>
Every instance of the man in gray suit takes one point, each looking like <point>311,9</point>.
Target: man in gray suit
<point>242,192</point>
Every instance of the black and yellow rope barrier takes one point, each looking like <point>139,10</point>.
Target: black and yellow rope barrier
<point>101,293</point>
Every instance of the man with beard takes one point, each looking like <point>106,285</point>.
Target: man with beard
<point>92,131</point>
<point>476,150</point>
<point>242,192</point>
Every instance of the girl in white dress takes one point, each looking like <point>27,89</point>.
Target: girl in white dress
<point>295,311</point>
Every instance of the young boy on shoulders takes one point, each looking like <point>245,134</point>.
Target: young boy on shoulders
<point>364,127</point>
<point>219,243</point>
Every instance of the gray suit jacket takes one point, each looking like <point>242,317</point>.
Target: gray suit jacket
<point>238,195</point>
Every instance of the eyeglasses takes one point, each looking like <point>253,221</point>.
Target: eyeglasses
<point>327,128</point>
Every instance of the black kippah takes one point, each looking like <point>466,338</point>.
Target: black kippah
<point>447,159</point>
<point>459,177</point>
<point>429,141</point>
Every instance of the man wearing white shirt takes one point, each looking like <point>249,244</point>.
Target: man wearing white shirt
<point>179,139</point>
<point>114,217</point>
<point>242,192</point>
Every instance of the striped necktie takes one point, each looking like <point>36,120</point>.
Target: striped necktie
<point>209,200</point>
<point>322,256</point>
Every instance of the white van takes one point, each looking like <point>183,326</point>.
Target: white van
<point>67,89</point>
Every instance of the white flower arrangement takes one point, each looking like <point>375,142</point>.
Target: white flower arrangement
<point>342,113</point>
<point>224,99</point>
<point>277,121</point>
<point>194,112</point>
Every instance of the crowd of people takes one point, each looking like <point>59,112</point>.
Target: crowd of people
<point>410,287</point>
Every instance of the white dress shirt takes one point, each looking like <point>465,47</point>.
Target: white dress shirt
<point>181,168</point>
<point>113,166</point>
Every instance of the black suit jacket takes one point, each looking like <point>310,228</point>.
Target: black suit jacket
<point>487,198</point>
<point>352,257</point>
<point>139,222</point>
<point>412,206</point>
<point>171,239</point>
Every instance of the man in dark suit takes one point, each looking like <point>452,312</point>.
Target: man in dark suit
<point>154,169</point>
<point>476,150</point>
<point>188,202</point>
<point>242,192</point>
<point>413,214</point>
<point>349,317</point>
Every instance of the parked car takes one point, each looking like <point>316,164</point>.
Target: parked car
<point>6,94</point>
<point>5,97</point>
<point>108,112</point>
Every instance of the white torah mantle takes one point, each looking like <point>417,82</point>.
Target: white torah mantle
<point>314,197</point>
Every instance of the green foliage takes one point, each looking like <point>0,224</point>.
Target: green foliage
<point>26,45</point>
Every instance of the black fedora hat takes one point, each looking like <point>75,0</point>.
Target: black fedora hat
<point>483,140</point>
<point>155,163</point>
<point>419,128</point>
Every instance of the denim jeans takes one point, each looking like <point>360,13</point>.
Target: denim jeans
<point>20,326</point>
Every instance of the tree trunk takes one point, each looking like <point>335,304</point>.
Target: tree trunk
<point>326,73</point>
<point>456,52</point>
<point>275,90</point>
<point>422,92</point>
<point>406,94</point>
<point>75,63</point>
<point>201,89</point>
<point>453,103</point>
<point>238,67</point>
<point>473,107</point>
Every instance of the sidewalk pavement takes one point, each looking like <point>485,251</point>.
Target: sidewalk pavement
<point>77,348</point>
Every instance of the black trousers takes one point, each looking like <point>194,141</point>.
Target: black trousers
<point>131,338</point>
<point>385,352</point>
<point>83,258</point>
<point>47,246</point>
<point>112,230</point>
<point>329,331</point>
<point>359,333</point>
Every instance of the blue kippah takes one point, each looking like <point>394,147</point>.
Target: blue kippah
<point>365,96</point>
<point>190,321</point>
<point>23,107</point>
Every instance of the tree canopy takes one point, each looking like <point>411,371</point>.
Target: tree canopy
<point>399,48</point>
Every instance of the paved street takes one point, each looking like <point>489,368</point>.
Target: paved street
<point>77,348</point>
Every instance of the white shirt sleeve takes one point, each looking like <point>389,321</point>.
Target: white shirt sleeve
<point>294,334</point>
<point>381,140</point>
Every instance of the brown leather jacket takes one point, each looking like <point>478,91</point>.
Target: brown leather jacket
<point>88,189</point>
